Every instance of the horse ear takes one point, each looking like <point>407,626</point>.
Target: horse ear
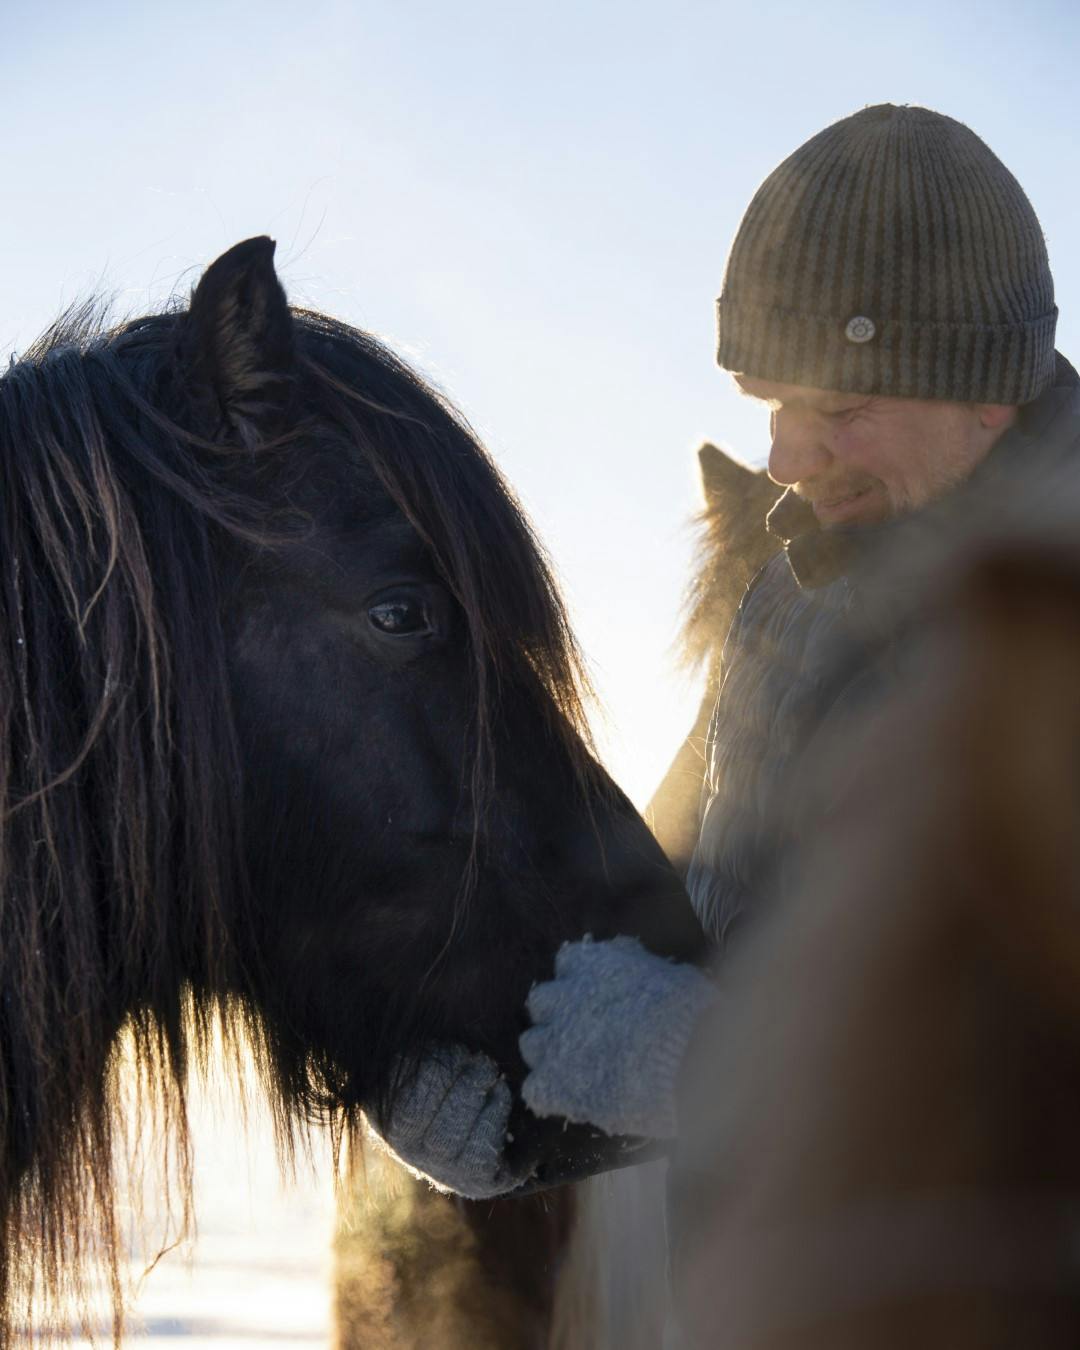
<point>239,339</point>
<point>723,477</point>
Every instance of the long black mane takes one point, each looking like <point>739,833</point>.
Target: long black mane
<point>122,879</point>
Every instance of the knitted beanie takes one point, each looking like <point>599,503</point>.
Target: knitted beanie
<point>892,254</point>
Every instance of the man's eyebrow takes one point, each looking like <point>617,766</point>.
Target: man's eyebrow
<point>815,400</point>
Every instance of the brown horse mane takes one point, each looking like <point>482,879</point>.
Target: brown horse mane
<point>121,861</point>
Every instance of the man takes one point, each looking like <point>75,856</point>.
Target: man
<point>888,299</point>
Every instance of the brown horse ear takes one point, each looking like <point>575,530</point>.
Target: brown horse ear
<point>239,339</point>
<point>723,477</point>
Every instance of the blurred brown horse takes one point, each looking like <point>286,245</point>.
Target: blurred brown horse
<point>895,1144</point>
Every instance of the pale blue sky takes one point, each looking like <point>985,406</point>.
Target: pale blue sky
<point>533,202</point>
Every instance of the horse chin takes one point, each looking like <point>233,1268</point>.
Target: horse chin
<point>559,1152</point>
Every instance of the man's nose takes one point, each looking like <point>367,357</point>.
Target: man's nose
<point>798,452</point>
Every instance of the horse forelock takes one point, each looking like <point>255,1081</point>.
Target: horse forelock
<point>443,481</point>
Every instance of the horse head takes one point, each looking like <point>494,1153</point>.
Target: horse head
<point>292,737</point>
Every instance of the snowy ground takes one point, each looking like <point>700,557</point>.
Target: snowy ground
<point>259,1271</point>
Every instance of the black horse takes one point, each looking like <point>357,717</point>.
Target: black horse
<point>291,742</point>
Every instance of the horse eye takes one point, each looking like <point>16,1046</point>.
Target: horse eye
<point>400,616</point>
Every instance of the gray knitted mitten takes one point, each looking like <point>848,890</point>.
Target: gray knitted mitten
<point>609,1033</point>
<point>449,1123</point>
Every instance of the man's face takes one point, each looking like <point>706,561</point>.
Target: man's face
<point>859,459</point>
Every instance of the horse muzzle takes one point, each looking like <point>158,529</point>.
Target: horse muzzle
<point>559,1152</point>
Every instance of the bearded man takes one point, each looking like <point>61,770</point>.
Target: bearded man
<point>888,299</point>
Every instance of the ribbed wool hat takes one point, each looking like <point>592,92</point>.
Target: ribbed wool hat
<point>893,254</point>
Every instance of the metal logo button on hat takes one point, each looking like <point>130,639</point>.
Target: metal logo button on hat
<point>860,329</point>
